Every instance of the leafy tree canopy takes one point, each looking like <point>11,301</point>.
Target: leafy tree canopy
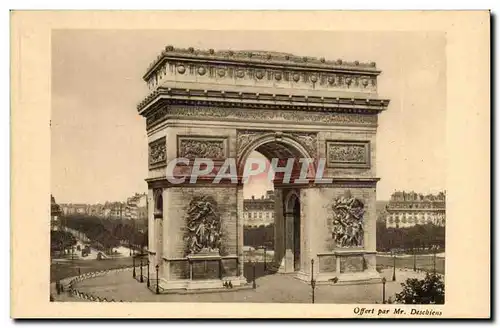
<point>429,290</point>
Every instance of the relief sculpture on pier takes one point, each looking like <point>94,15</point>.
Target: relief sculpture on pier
<point>203,233</point>
<point>348,214</point>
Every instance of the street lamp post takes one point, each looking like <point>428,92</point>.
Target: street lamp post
<point>133,263</point>
<point>383,289</point>
<point>254,285</point>
<point>394,266</point>
<point>414,260</point>
<point>157,279</point>
<point>148,283</point>
<point>142,277</point>
<point>313,281</point>
<point>434,260</point>
<point>265,266</point>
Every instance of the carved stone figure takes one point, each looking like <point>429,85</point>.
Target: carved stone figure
<point>348,221</point>
<point>203,226</point>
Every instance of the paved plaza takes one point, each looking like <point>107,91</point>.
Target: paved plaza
<point>271,288</point>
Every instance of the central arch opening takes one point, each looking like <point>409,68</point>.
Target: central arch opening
<point>259,218</point>
<point>271,209</point>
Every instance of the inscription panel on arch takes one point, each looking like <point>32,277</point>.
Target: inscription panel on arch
<point>348,154</point>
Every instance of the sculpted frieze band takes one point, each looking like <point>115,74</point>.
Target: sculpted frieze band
<point>164,113</point>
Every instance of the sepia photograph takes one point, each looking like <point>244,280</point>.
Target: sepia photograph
<point>250,166</point>
<point>367,224</point>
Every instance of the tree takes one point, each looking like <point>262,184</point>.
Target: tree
<point>61,240</point>
<point>418,236</point>
<point>259,236</point>
<point>429,290</point>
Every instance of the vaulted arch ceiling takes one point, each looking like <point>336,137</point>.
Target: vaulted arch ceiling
<point>278,150</point>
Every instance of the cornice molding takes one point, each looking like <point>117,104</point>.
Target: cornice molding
<point>177,96</point>
<point>226,183</point>
<point>249,57</point>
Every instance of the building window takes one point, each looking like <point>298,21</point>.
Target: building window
<point>260,215</point>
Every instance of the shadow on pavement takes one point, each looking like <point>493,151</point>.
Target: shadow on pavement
<point>259,270</point>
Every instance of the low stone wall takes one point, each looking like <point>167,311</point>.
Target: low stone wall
<point>69,284</point>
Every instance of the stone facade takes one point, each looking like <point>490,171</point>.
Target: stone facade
<point>259,211</point>
<point>55,213</point>
<point>227,104</point>
<point>407,209</point>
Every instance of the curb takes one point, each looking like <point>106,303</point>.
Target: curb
<point>69,284</point>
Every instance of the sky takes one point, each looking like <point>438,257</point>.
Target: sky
<point>99,142</point>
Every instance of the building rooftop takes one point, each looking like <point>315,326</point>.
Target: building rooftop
<point>265,202</point>
<point>404,196</point>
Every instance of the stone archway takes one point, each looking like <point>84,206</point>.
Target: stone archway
<point>282,145</point>
<point>221,105</point>
<point>294,222</point>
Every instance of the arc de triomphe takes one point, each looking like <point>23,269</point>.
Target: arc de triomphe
<point>226,104</point>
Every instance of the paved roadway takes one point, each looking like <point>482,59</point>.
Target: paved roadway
<point>274,288</point>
